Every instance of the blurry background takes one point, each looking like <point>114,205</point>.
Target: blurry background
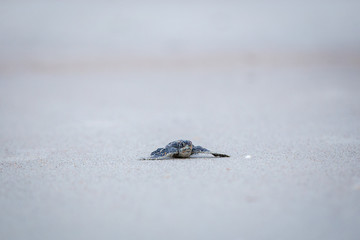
<point>113,34</point>
<point>89,87</point>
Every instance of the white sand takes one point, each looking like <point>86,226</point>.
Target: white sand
<point>89,87</point>
<point>70,144</point>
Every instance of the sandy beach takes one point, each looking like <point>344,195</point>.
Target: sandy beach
<point>73,128</point>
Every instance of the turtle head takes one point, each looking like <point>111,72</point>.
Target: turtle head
<point>185,148</point>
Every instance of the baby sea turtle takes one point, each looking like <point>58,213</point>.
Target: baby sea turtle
<point>180,149</point>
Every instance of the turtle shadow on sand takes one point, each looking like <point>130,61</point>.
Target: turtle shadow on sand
<point>181,159</point>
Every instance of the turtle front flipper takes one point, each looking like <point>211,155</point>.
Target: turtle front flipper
<point>219,155</point>
<point>162,153</point>
<point>201,150</point>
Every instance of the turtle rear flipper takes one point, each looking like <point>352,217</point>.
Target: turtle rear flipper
<point>201,150</point>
